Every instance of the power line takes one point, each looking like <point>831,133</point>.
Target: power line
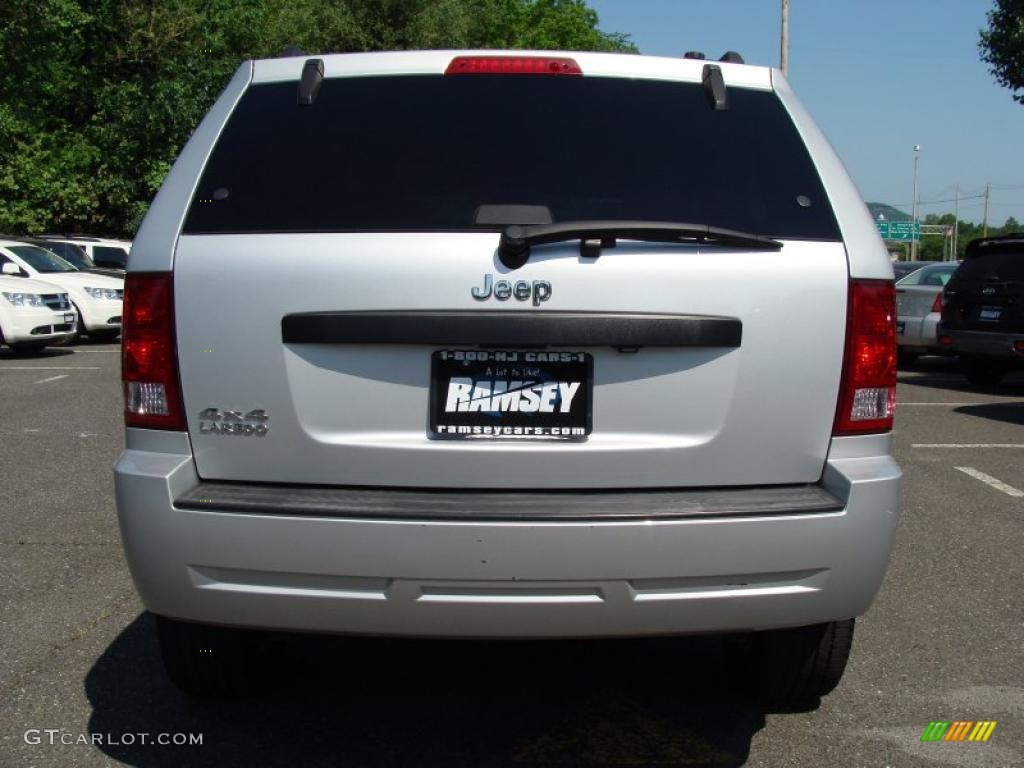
<point>936,202</point>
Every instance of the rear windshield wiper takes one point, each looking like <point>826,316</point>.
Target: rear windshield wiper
<point>516,240</point>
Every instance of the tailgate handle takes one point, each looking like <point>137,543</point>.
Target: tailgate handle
<point>512,329</point>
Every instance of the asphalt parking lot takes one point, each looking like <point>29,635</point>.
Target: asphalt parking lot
<point>942,642</point>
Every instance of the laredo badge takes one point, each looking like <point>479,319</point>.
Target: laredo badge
<point>215,421</point>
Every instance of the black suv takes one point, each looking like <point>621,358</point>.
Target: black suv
<point>983,309</point>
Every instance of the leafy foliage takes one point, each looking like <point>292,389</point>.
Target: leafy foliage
<point>1002,45</point>
<point>97,97</point>
<point>932,247</point>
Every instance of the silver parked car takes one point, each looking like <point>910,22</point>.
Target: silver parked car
<point>457,344</point>
<point>919,308</point>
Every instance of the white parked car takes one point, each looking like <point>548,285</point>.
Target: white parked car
<point>33,314</point>
<point>96,298</point>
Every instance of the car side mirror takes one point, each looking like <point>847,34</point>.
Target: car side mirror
<point>10,268</point>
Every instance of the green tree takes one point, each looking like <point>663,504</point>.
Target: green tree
<point>97,97</point>
<point>1002,45</point>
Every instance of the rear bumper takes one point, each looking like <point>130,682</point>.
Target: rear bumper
<point>920,332</point>
<point>503,578</point>
<point>987,344</point>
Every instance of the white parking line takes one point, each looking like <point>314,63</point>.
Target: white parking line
<point>54,378</point>
<point>960,405</point>
<point>999,485</point>
<point>49,368</point>
<point>967,445</point>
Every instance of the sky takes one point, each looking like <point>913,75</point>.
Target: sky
<point>878,77</point>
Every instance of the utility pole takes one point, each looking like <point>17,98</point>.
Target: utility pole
<point>956,223</point>
<point>784,42</point>
<point>913,237</point>
<point>984,225</point>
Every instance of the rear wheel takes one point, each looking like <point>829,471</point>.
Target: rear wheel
<point>207,661</point>
<point>978,370</point>
<point>104,335</point>
<point>907,357</point>
<point>28,348</point>
<point>794,668</point>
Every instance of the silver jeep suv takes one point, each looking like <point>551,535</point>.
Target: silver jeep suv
<point>508,345</point>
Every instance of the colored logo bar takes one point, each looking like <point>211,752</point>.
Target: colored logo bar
<point>958,730</point>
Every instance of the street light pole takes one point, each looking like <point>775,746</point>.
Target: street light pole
<point>784,41</point>
<point>913,234</point>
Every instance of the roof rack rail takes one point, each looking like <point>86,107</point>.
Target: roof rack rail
<point>984,243</point>
<point>714,87</point>
<point>312,77</point>
<point>66,236</point>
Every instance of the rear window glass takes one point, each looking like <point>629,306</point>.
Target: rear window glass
<point>930,276</point>
<point>423,152</point>
<point>1003,265</point>
<point>109,255</point>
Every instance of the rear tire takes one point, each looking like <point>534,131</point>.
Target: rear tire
<point>906,357</point>
<point>211,662</point>
<point>104,335</point>
<point>28,348</point>
<point>791,669</point>
<point>978,370</point>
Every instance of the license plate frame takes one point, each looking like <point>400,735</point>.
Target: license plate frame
<point>990,314</point>
<point>495,392</point>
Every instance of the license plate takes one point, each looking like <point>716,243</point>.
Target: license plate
<point>987,313</point>
<point>510,394</point>
<point>69,317</point>
<point>900,326</point>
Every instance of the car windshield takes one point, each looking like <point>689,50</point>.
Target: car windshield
<point>40,259</point>
<point>72,254</point>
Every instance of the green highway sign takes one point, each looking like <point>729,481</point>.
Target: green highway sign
<point>899,230</point>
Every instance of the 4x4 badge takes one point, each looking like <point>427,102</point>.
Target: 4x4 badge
<point>503,290</point>
<point>213,421</point>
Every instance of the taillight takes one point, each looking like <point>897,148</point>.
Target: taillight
<point>867,392</point>
<point>149,360</point>
<point>513,65</point>
<point>1018,346</point>
<point>937,304</point>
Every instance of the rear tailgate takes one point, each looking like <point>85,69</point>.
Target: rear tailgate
<point>987,292</point>
<point>369,200</point>
<point>358,414</point>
